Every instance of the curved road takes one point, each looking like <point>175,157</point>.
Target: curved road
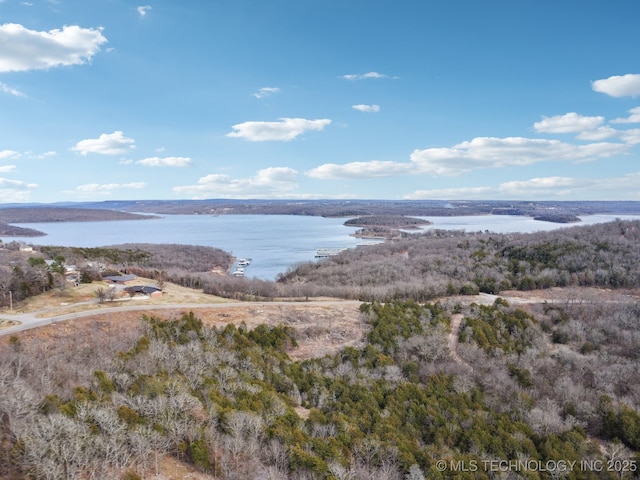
<point>31,320</point>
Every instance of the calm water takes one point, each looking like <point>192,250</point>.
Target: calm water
<point>274,242</point>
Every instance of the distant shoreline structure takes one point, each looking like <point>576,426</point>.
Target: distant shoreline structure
<point>328,252</point>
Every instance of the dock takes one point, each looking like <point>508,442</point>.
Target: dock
<point>328,252</point>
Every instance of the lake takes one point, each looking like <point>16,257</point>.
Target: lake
<point>275,243</point>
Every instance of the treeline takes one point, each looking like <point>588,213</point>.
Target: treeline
<point>64,214</point>
<point>27,273</point>
<point>396,221</point>
<point>230,401</point>
<point>7,230</point>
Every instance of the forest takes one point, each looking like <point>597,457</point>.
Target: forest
<point>553,383</point>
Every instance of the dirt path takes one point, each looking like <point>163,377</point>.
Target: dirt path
<point>456,321</point>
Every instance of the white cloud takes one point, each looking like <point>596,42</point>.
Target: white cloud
<point>632,136</point>
<point>268,182</point>
<point>22,49</point>
<point>7,168</point>
<point>165,162</point>
<point>266,91</point>
<point>284,130</point>
<point>107,144</point>
<point>90,188</point>
<point>4,154</point>
<point>144,9</point>
<point>50,153</point>
<point>568,123</point>
<point>481,152</point>
<point>619,85</point>
<point>366,108</point>
<point>364,76</point>
<point>600,133</point>
<point>372,169</point>
<point>544,187</point>
<point>15,190</point>
<point>462,193</point>
<point>11,91</point>
<point>490,152</point>
<point>634,117</point>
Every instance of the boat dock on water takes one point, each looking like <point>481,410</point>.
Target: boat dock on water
<point>240,266</point>
<point>328,252</point>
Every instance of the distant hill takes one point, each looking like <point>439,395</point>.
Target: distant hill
<point>47,214</point>
<point>356,208</point>
<point>564,212</point>
<point>7,230</point>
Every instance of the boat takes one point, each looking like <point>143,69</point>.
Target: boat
<point>244,262</point>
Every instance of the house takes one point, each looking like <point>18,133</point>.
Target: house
<point>146,290</point>
<point>119,279</point>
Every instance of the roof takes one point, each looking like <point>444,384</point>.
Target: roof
<point>145,289</point>
<point>119,278</point>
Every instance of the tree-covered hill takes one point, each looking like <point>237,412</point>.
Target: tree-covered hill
<point>231,402</point>
<point>424,266</point>
<point>45,214</point>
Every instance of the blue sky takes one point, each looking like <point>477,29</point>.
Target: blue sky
<point>309,99</point>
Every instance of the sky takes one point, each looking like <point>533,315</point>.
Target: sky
<point>309,99</point>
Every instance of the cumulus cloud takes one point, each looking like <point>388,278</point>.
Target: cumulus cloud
<point>364,76</point>
<point>366,108</point>
<point>481,152</point>
<point>107,144</point>
<point>372,169</point>
<point>165,162</point>
<point>266,91</point>
<point>632,136</point>
<point>284,130</point>
<point>22,49</point>
<point>490,152</point>
<point>619,85</point>
<point>543,187</point>
<point>567,123</point>
<point>11,91</point>
<point>5,154</point>
<point>41,156</point>
<point>143,10</point>
<point>102,188</point>
<point>268,182</point>
<point>634,117</point>
<point>600,133</point>
<point>15,190</point>
<point>7,168</point>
